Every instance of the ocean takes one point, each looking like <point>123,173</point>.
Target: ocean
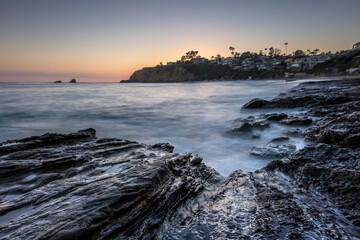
<point>193,117</point>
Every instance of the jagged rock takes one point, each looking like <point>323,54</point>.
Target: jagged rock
<point>281,140</point>
<point>273,151</point>
<point>276,116</point>
<point>259,205</point>
<point>75,186</point>
<point>248,124</point>
<point>338,128</point>
<point>330,169</point>
<point>311,94</point>
<point>72,81</point>
<point>295,132</point>
<point>296,121</point>
<point>256,103</point>
<point>58,81</point>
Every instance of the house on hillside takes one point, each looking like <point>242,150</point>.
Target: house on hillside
<point>199,60</point>
<point>356,46</point>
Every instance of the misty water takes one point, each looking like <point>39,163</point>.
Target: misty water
<point>193,117</point>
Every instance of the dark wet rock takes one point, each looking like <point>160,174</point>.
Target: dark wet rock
<point>273,150</point>
<point>249,124</point>
<point>281,140</point>
<point>259,205</point>
<point>255,136</point>
<point>277,148</point>
<point>72,81</point>
<point>256,103</point>
<point>296,120</point>
<point>58,81</point>
<point>295,132</point>
<point>338,128</point>
<point>329,169</point>
<point>75,186</point>
<point>276,116</point>
<point>311,94</point>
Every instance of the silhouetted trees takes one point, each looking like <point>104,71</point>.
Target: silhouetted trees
<point>232,49</point>
<point>299,53</point>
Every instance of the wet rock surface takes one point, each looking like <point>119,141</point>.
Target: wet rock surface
<point>244,125</point>
<point>277,148</point>
<point>311,194</point>
<point>76,186</point>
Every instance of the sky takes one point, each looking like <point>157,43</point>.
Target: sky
<point>107,40</point>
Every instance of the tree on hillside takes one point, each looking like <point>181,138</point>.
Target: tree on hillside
<point>315,51</point>
<point>286,44</point>
<point>231,50</point>
<point>277,52</point>
<point>299,53</point>
<point>271,51</point>
<point>183,59</point>
<point>191,54</point>
<point>266,51</point>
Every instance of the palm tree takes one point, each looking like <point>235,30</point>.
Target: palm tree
<point>286,44</point>
<point>232,50</point>
<point>266,51</point>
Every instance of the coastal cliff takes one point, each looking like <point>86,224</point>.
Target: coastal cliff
<point>180,73</point>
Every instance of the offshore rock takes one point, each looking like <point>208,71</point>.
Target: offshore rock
<point>248,124</point>
<point>76,186</point>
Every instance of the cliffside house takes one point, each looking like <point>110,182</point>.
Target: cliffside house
<point>356,46</point>
<point>199,60</point>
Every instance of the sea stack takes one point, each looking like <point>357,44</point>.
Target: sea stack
<point>58,81</point>
<point>73,81</point>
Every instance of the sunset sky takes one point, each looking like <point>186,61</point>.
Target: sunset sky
<point>94,40</point>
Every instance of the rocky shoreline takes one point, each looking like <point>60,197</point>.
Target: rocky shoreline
<point>76,186</point>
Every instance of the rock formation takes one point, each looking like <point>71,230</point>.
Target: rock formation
<point>76,186</point>
<point>179,73</point>
<point>72,81</point>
